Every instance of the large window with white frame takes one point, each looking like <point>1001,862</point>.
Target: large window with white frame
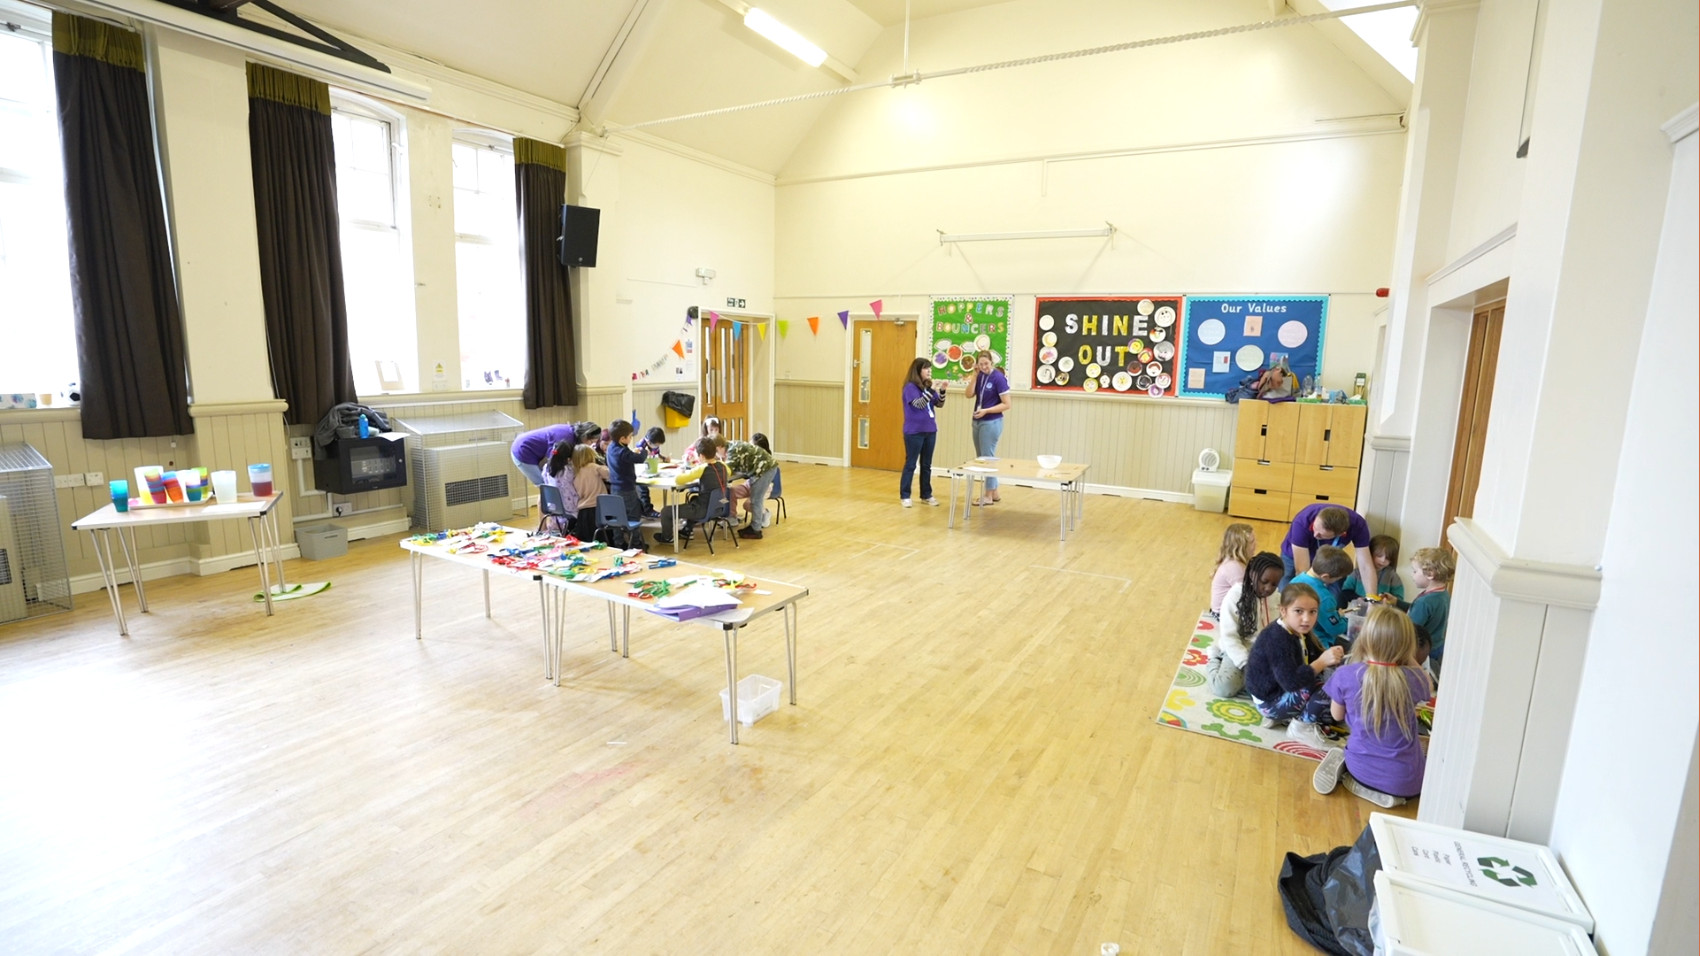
<point>377,250</point>
<point>40,356</point>
<point>488,274</point>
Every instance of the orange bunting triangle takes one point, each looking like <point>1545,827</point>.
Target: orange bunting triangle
<point>678,348</point>
<point>814,324</point>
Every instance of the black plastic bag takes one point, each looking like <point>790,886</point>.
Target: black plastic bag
<point>1328,896</point>
<point>682,402</point>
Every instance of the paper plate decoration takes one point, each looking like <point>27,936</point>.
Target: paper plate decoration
<point>967,363</point>
<point>1103,381</point>
<point>1049,338</point>
<point>1146,306</point>
<point>1293,334</point>
<point>940,360</point>
<point>1090,385</point>
<point>1062,378</point>
<point>1092,370</point>
<point>982,342</point>
<point>1143,382</point>
<point>1158,335</point>
<point>1154,392</point>
<point>1165,350</point>
<point>1135,345</point>
<point>1145,356</point>
<point>1249,358</point>
<point>1163,381</point>
<point>1047,355</point>
<point>952,352</point>
<point>1045,374</point>
<point>1065,363</point>
<point>1165,316</point>
<point>1153,370</point>
<point>1046,323</point>
<point>1122,381</point>
<point>1211,331</point>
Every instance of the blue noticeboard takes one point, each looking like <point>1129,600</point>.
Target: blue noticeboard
<point>1229,338</point>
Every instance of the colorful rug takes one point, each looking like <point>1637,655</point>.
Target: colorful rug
<point>1190,705</point>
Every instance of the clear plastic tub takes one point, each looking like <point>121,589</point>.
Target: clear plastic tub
<point>758,696</point>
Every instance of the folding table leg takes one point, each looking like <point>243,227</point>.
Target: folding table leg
<point>109,574</point>
<point>731,632</point>
<point>418,600</point>
<point>127,540</point>
<point>791,648</point>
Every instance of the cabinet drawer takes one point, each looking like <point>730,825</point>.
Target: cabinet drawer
<point>1249,502</point>
<point>1268,475</point>
<point>1314,481</point>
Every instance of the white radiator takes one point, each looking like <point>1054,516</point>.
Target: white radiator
<point>461,485</point>
<point>12,605</point>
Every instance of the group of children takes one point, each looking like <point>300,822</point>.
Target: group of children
<point>1282,639</point>
<point>591,461</point>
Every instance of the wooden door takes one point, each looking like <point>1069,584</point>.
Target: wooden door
<point>878,364</point>
<point>1473,408</point>
<point>725,383</point>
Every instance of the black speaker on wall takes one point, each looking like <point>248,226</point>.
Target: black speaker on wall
<point>577,244</point>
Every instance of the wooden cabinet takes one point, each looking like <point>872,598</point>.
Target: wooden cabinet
<point>1289,455</point>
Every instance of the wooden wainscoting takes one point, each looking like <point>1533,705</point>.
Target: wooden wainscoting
<point>809,419</point>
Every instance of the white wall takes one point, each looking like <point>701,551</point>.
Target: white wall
<point>1622,793</point>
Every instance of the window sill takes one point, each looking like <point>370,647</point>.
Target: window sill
<point>53,413</point>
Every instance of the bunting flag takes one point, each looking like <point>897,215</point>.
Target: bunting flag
<point>737,331</point>
<point>844,318</point>
<point>878,305</point>
<point>784,327</point>
<point>679,348</point>
<point>690,315</point>
<point>713,320</point>
<point>814,324</point>
<point>762,330</point>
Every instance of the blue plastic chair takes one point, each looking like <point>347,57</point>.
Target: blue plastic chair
<point>718,514</point>
<point>611,520</point>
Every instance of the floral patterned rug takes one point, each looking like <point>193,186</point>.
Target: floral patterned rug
<point>1190,705</point>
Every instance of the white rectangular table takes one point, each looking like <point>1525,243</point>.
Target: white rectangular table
<point>672,493</point>
<point>765,598</point>
<point>260,513</point>
<point>1068,478</point>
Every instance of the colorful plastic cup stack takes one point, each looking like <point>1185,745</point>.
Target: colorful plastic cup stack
<point>173,487</point>
<point>260,478</point>
<point>120,494</point>
<point>193,484</point>
<point>155,479</point>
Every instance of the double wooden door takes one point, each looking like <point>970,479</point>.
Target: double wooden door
<point>1473,408</point>
<point>878,365</point>
<point>725,376</point>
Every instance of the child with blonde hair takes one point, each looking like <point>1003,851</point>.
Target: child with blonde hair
<point>1431,572</point>
<point>1239,543</point>
<point>1377,696</point>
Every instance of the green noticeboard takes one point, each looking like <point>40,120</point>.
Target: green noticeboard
<point>962,327</point>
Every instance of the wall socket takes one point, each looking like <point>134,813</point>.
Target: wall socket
<point>301,448</point>
<point>73,480</point>
<point>341,508</point>
<point>93,478</point>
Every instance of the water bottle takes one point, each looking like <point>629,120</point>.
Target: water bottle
<point>365,427</point>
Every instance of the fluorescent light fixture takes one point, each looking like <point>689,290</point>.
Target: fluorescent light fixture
<point>786,38</point>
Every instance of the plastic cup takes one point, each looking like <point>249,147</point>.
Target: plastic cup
<point>224,486</point>
<point>120,494</point>
<point>260,478</point>
<point>654,466</point>
<point>156,487</point>
<point>173,487</point>
<point>193,489</point>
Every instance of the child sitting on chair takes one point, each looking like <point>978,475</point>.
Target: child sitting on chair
<point>711,474</point>
<point>1329,568</point>
<point>558,473</point>
<point>590,481</point>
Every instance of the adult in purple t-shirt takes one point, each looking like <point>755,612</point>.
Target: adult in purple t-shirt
<point>531,450</point>
<point>920,429</point>
<point>1389,761</point>
<point>1325,524</point>
<point>989,390</point>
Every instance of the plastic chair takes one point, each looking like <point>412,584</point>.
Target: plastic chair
<point>550,505</point>
<point>718,514</point>
<point>611,517</point>
<point>776,495</point>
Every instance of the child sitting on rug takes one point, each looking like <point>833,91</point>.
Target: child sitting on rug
<point>1285,668</point>
<point>1384,553</point>
<point>1431,572</point>
<point>1239,543</point>
<point>1328,568</point>
<point>1247,609</point>
<point>1377,696</point>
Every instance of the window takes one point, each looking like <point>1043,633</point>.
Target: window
<point>377,255</point>
<point>488,273</point>
<point>39,356</point>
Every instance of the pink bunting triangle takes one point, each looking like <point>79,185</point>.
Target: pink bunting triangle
<point>713,320</point>
<point>844,318</point>
<point>878,305</point>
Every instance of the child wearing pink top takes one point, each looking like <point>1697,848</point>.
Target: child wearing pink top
<point>1239,543</point>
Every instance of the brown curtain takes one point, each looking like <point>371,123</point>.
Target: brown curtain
<point>540,180</point>
<point>129,327</point>
<point>289,140</point>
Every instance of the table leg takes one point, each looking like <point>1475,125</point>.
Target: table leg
<point>613,630</point>
<point>264,560</point>
<point>1064,509</point>
<point>418,600</point>
<point>950,522</point>
<point>791,648</point>
<point>1080,500</point>
<point>127,541</point>
<point>109,574</point>
<point>549,651</point>
<point>731,632</point>
<point>560,597</point>
<point>673,501</point>
<point>486,594</point>
<point>277,550</point>
<point>625,630</point>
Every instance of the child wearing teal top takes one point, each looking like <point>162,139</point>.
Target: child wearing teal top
<point>1329,568</point>
<point>1431,572</point>
<point>1384,552</point>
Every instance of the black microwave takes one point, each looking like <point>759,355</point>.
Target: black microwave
<point>352,465</point>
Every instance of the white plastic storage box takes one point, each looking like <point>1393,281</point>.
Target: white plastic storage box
<point>321,541</point>
<point>1414,917</point>
<point>1210,490</point>
<point>1507,872</point>
<point>758,696</point>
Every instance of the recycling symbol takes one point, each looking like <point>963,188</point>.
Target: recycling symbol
<point>1523,877</point>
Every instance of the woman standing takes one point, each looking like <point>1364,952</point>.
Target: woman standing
<point>920,429</point>
<point>990,390</point>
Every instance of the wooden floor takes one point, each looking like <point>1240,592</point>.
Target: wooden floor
<point>973,764</point>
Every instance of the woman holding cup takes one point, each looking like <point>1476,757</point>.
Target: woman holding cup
<point>920,430</point>
<point>989,390</point>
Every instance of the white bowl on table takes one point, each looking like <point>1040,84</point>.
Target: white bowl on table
<point>1048,462</point>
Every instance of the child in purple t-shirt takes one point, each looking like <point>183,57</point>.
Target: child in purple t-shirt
<point>1377,696</point>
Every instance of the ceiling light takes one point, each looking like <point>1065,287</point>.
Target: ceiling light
<point>790,40</point>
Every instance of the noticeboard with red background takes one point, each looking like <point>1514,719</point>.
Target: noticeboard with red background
<point>1124,345</point>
